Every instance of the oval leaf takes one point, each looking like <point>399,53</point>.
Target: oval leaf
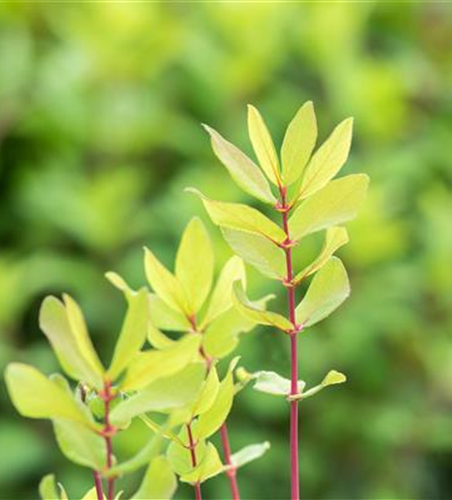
<point>249,454</point>
<point>159,482</point>
<point>209,466</point>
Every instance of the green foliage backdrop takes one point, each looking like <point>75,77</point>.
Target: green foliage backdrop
<point>100,112</point>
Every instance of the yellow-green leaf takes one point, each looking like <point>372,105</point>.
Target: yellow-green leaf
<point>209,466</point>
<point>159,482</point>
<point>54,322</point>
<point>256,313</point>
<point>166,318</point>
<point>155,364</point>
<point>47,488</point>
<point>179,456</point>
<point>336,203</point>
<point>194,264</point>
<point>221,299</point>
<point>133,333</point>
<point>158,339</point>
<point>335,238</point>
<point>263,145</point>
<point>165,284</point>
<point>35,396</point>
<point>257,251</point>
<point>334,377</point>
<point>242,169</point>
<point>249,454</point>
<point>241,217</point>
<point>328,159</point>
<point>329,288</point>
<point>299,141</point>
<point>208,394</point>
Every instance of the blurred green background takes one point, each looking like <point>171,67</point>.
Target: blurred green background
<point>100,112</point>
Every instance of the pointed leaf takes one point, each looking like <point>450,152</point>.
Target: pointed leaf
<point>159,482</point>
<point>263,145</point>
<point>329,288</point>
<point>299,141</point>
<point>257,314</point>
<point>242,169</point>
<point>194,264</point>
<point>48,489</point>
<point>336,203</point>
<point>92,495</point>
<point>334,377</point>
<point>209,466</point>
<point>133,333</point>
<point>328,159</point>
<point>272,383</point>
<point>335,238</point>
<point>158,339</point>
<point>80,444</point>
<point>166,318</point>
<point>54,322</point>
<point>35,396</point>
<point>180,457</point>
<point>257,251</point>
<point>153,365</point>
<point>221,299</point>
<point>208,394</point>
<point>249,454</point>
<point>165,284</point>
<point>241,217</point>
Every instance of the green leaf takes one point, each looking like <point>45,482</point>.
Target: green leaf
<point>299,141</point>
<point>335,238</point>
<point>157,338</point>
<point>119,282</point>
<point>35,396</point>
<point>329,288</point>
<point>153,365</point>
<point>328,159</point>
<point>333,377</point>
<point>209,466</point>
<point>194,264</point>
<point>208,394</point>
<point>159,482</point>
<point>241,217</point>
<point>81,335</point>
<point>166,318</point>
<point>256,313</point>
<point>80,444</point>
<point>242,169</point>
<point>221,299</point>
<point>165,284</point>
<point>163,395</point>
<point>47,488</point>
<point>133,333</point>
<point>336,203</point>
<point>272,383</point>
<point>180,457</point>
<point>211,420</point>
<point>263,145</point>
<point>54,322</point>
<point>257,251</point>
<point>249,454</point>
<point>92,495</point>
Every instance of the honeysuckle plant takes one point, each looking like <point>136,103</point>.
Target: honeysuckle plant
<point>153,374</point>
<point>298,185</point>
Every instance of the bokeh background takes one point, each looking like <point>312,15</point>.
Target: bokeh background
<point>100,112</point>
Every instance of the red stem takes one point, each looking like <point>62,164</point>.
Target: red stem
<point>98,484</point>
<point>108,432</point>
<point>192,446</point>
<point>231,471</point>
<point>294,466</point>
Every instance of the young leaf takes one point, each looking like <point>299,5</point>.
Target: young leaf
<point>328,159</point>
<point>257,251</point>
<point>47,488</point>
<point>80,444</point>
<point>119,282</point>
<point>209,466</point>
<point>211,420</point>
<point>332,378</point>
<point>153,365</point>
<point>35,396</point>
<point>263,145</point>
<point>159,482</point>
<point>53,321</point>
<point>166,318</point>
<point>255,313</point>
<point>163,395</point>
<point>165,284</point>
<point>81,335</point>
<point>179,456</point>
<point>272,383</point>
<point>242,169</point>
<point>249,454</point>
<point>241,217</point>
<point>221,300</point>
<point>133,333</point>
<point>92,495</point>
<point>329,288</point>
<point>335,238</point>
<point>158,339</point>
<point>194,264</point>
<point>299,141</point>
<point>208,394</point>
<point>336,203</point>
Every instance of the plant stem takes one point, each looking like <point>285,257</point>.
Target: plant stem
<point>108,432</point>
<point>231,471</point>
<point>294,466</point>
<point>194,462</point>
<point>98,484</point>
